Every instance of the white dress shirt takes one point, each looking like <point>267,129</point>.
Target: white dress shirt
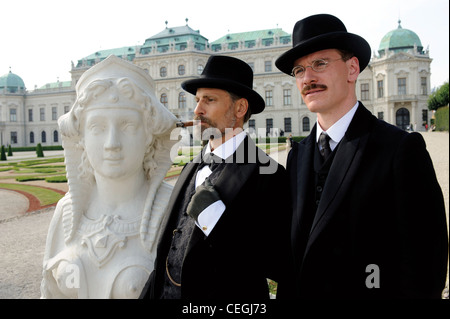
<point>208,218</point>
<point>337,131</point>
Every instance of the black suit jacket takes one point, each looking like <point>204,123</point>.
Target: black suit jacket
<point>249,243</point>
<point>380,221</point>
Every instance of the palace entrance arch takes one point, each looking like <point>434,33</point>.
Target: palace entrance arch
<point>402,118</point>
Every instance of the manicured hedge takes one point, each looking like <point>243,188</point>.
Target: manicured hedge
<point>442,119</point>
<point>33,148</point>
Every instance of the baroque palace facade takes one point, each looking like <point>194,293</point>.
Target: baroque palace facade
<point>395,86</point>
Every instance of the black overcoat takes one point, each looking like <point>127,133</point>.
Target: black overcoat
<point>249,243</point>
<point>380,227</point>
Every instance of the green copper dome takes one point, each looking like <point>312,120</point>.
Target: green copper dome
<point>400,40</point>
<point>12,82</point>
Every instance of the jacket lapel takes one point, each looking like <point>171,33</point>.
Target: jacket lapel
<point>230,182</point>
<point>301,178</point>
<point>237,171</point>
<point>185,176</point>
<point>342,172</point>
<point>169,223</point>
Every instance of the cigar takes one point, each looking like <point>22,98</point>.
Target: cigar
<point>185,124</point>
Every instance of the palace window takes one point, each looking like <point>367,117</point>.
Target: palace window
<point>13,137</point>
<point>199,69</point>
<point>287,124</point>
<point>54,113</point>
<point>380,88</point>
<point>182,100</point>
<point>287,97</point>
<point>423,86</point>
<point>13,115</point>
<point>305,123</point>
<point>181,70</point>
<point>251,125</point>
<point>163,99</point>
<point>364,91</point>
<point>401,83</point>
<point>269,98</point>
<point>163,72</point>
<point>42,114</point>
<point>269,126</point>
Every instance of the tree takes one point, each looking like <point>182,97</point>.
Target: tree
<point>10,150</point>
<point>443,95</point>
<point>439,97</point>
<point>39,150</point>
<point>3,155</point>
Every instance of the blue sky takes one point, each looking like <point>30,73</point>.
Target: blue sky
<point>41,38</point>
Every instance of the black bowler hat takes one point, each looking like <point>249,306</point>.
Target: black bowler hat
<point>229,74</point>
<point>321,32</point>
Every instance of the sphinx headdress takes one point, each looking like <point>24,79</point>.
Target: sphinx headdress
<point>122,81</point>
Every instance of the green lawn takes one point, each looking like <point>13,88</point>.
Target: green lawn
<point>45,196</point>
<point>53,170</point>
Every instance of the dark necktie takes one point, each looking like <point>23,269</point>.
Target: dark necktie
<point>210,159</point>
<point>324,141</point>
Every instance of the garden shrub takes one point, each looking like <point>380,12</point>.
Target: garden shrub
<point>56,179</point>
<point>39,150</point>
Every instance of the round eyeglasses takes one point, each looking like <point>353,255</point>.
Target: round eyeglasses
<point>317,65</point>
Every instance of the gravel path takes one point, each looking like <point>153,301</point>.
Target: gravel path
<point>22,236</point>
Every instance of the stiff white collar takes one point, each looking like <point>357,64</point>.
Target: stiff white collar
<point>229,147</point>
<point>337,131</point>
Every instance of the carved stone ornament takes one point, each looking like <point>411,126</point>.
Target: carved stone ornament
<point>101,241</point>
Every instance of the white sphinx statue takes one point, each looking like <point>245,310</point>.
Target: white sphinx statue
<point>102,238</point>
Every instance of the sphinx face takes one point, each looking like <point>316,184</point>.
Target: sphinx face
<point>115,141</point>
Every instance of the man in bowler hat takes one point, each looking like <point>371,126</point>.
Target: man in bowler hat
<point>368,213</point>
<point>227,230</point>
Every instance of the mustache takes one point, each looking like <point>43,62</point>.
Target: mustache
<point>204,120</point>
<point>308,87</point>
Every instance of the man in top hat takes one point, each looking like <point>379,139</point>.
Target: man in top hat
<point>368,213</point>
<point>227,229</point>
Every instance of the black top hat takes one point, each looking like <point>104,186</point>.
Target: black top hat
<point>320,32</point>
<point>229,74</point>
